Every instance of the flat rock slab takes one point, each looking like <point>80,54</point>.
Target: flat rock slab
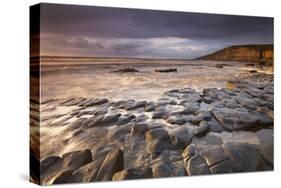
<point>197,166</point>
<point>245,157</point>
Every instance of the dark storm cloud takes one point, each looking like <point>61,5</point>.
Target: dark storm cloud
<point>116,23</point>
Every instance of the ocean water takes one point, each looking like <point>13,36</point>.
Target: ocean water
<point>96,79</point>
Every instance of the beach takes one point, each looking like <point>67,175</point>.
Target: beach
<point>103,121</point>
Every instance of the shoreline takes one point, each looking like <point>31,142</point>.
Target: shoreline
<point>178,132</point>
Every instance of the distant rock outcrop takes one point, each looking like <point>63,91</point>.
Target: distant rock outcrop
<point>250,53</point>
<point>166,70</point>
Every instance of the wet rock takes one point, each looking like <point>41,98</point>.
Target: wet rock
<point>120,133</point>
<point>266,111</point>
<point>73,101</point>
<point>111,164</point>
<point>202,128</point>
<point>219,66</point>
<point>165,101</point>
<point>88,172</point>
<point>95,102</point>
<point>139,104</point>
<point>192,97</point>
<point>84,112</point>
<point>51,167</point>
<point>161,114</point>
<point>157,140</point>
<point>133,173</point>
<point>76,159</point>
<point>254,119</point>
<point>254,92</point>
<point>166,70</point>
<point>173,93</point>
<point>208,100</point>
<point>139,129</point>
<point>223,167</point>
<point>161,170</point>
<point>100,111</point>
<point>78,123</point>
<point>189,152</point>
<point>142,118</point>
<point>85,101</point>
<point>213,154</point>
<point>197,166</point>
<point>187,91</point>
<point>202,116</point>
<point>125,119</point>
<point>106,120</point>
<point>190,108</point>
<point>125,70</point>
<point>253,71</point>
<point>64,177</point>
<point>208,139</point>
<point>124,104</point>
<point>245,157</point>
<point>181,137</point>
<point>266,144</point>
<point>61,167</point>
<point>87,122</point>
<point>228,118</point>
<point>150,106</point>
<point>46,163</point>
<point>77,132</point>
<point>176,120</point>
<point>246,102</point>
<point>214,126</point>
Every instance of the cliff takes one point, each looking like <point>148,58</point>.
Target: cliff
<point>250,53</point>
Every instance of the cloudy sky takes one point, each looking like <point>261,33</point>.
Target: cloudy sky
<point>114,32</point>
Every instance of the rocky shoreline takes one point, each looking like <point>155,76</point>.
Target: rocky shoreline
<point>183,133</point>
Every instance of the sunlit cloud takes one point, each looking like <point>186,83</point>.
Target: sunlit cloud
<point>165,47</point>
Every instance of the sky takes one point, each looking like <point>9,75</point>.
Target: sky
<point>72,30</point>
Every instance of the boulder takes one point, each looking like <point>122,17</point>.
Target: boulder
<point>139,104</point>
<point>74,160</point>
<point>213,154</point>
<point>176,120</point>
<point>219,66</point>
<point>95,102</point>
<point>161,115</point>
<point>150,106</point>
<point>142,118</point>
<point>166,70</point>
<point>125,119</point>
<point>202,116</point>
<point>111,164</point>
<point>88,172</point>
<point>189,152</point>
<point>133,173</point>
<point>215,126</point>
<point>157,140</point>
<point>62,168</point>
<point>64,177</point>
<point>125,70</point>
<point>105,120</point>
<point>190,108</point>
<point>245,157</point>
<point>181,137</point>
<point>197,166</point>
<point>202,129</point>
<point>161,170</point>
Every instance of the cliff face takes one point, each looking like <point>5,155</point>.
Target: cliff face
<point>251,53</point>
